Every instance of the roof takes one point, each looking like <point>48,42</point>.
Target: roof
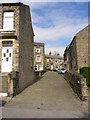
<point>54,56</point>
<point>11,4</point>
<point>67,48</point>
<point>83,29</point>
<point>77,35</point>
<point>38,44</point>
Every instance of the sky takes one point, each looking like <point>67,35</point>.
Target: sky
<point>55,23</point>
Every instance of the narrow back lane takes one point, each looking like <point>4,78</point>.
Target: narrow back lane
<point>50,93</point>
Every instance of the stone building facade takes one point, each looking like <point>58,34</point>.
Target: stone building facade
<point>16,45</point>
<point>76,53</point>
<point>53,62</point>
<point>39,57</point>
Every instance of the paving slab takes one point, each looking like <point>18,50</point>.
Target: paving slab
<point>50,97</point>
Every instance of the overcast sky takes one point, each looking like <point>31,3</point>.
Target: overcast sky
<point>56,23</point>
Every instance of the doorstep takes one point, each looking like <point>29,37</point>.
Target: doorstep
<point>4,100</point>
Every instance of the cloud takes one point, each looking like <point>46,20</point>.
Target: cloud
<point>53,24</point>
<point>61,29</point>
<point>53,34</point>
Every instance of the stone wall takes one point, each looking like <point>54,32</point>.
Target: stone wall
<point>54,60</point>
<point>26,71</point>
<point>22,40</point>
<point>82,48</point>
<point>77,52</point>
<point>36,76</point>
<point>78,84</point>
<point>13,82</point>
<point>57,62</point>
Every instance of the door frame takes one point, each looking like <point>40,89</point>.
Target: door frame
<point>6,42</point>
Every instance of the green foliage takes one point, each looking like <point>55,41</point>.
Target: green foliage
<point>85,71</point>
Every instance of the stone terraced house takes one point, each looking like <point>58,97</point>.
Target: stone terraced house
<point>76,53</point>
<point>39,57</point>
<point>53,62</point>
<point>16,48</point>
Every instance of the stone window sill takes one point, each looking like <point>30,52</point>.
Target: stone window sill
<point>7,30</point>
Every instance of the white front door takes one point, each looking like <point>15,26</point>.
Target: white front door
<point>41,67</point>
<point>7,54</point>
<point>51,67</point>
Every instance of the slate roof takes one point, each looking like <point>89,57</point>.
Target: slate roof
<point>38,44</point>
<point>11,4</point>
<point>54,56</point>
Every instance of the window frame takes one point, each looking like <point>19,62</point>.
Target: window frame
<point>36,67</point>
<point>37,49</point>
<point>3,21</point>
<point>39,57</point>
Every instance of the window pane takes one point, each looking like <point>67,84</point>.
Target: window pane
<point>8,20</point>
<point>6,59</point>
<point>38,59</point>
<point>9,54</point>
<point>7,50</point>
<point>4,55</point>
<point>38,50</point>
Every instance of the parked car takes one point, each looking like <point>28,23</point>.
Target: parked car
<point>61,71</point>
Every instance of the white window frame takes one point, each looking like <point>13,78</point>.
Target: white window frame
<point>35,67</point>
<point>8,21</point>
<point>37,50</point>
<point>48,66</point>
<point>47,60</point>
<point>38,58</point>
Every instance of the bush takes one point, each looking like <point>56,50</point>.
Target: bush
<point>85,71</point>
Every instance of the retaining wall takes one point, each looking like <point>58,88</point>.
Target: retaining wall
<point>78,84</point>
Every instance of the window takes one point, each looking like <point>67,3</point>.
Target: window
<point>7,59</point>
<point>56,66</point>
<point>8,21</point>
<point>4,55</point>
<point>65,65</point>
<point>36,67</point>
<point>37,50</point>
<point>31,62</point>
<point>7,51</point>
<point>38,58</point>
<point>67,58</point>
<point>9,54</point>
<point>48,65</point>
<point>47,60</point>
<point>85,61</point>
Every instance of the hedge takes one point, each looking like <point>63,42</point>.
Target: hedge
<point>85,71</point>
